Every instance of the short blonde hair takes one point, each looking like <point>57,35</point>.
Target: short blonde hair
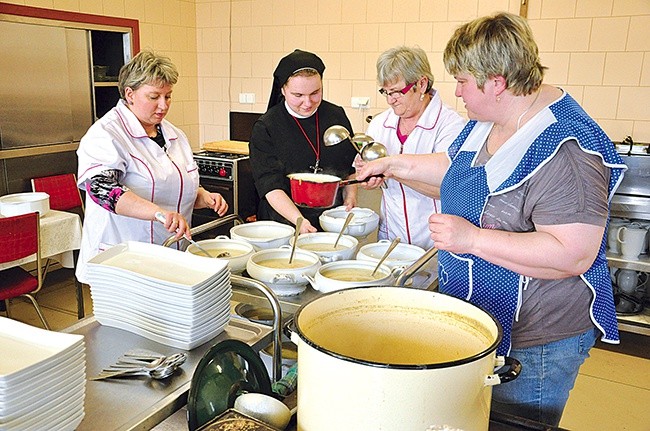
<point>146,68</point>
<point>498,45</point>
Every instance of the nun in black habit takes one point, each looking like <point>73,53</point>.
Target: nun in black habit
<point>288,139</point>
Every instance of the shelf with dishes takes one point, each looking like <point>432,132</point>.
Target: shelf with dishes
<point>641,263</point>
<point>630,276</point>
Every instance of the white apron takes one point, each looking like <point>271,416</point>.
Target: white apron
<point>166,176</point>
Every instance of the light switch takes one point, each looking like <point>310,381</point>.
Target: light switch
<point>360,102</point>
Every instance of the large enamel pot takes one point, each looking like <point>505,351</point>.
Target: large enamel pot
<point>316,190</point>
<point>393,358</point>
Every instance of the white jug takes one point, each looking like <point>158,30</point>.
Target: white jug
<point>612,232</point>
<point>632,240</point>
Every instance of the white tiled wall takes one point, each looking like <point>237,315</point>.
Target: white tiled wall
<point>599,50</point>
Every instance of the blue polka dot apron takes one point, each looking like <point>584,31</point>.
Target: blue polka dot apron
<point>466,189</point>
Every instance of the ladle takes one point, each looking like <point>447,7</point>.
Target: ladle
<point>373,151</point>
<point>347,221</point>
<point>295,239</point>
<point>336,134</point>
<point>161,218</point>
<point>388,250</point>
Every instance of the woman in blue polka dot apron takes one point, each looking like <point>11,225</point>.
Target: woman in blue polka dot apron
<point>525,192</point>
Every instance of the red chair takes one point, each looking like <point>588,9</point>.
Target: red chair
<point>64,196</point>
<point>20,238</point>
<point>63,191</point>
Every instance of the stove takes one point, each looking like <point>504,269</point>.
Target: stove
<point>230,175</point>
<point>218,165</point>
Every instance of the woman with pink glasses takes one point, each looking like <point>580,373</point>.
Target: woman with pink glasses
<point>417,122</point>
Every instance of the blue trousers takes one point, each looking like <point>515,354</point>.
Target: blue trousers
<point>549,371</point>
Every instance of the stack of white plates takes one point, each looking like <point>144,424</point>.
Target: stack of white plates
<point>174,298</point>
<point>42,378</point>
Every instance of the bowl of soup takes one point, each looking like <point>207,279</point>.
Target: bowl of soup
<point>322,243</point>
<point>364,222</point>
<point>403,255</point>
<point>272,267</point>
<point>345,274</point>
<point>236,252</point>
<point>263,234</point>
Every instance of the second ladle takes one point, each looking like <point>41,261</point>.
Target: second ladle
<point>295,239</point>
<point>373,151</point>
<point>390,248</point>
<point>336,134</point>
<point>347,221</point>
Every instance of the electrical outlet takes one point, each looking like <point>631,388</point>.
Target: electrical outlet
<point>360,102</point>
<point>247,98</point>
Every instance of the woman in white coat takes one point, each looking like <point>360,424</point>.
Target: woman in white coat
<point>417,122</point>
<point>133,163</point>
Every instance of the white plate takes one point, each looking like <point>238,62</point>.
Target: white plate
<point>111,285</point>
<point>123,277</point>
<point>186,310</point>
<point>158,263</point>
<point>166,315</point>
<point>185,345</point>
<point>47,399</point>
<point>167,329</point>
<point>57,368</point>
<point>31,393</point>
<point>26,348</point>
<point>66,407</point>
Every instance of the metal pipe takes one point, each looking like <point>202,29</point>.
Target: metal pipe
<point>239,281</point>
<point>415,267</point>
<point>206,227</point>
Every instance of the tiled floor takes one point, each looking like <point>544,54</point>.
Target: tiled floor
<point>612,391</point>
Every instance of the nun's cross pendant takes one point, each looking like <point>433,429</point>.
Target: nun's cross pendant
<point>316,168</point>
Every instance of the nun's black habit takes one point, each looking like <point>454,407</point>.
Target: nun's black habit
<point>278,146</point>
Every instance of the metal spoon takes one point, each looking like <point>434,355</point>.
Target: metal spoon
<point>161,218</point>
<point>158,369</point>
<point>348,219</point>
<point>388,250</point>
<point>295,238</point>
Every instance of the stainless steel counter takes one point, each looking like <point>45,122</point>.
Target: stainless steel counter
<point>141,403</point>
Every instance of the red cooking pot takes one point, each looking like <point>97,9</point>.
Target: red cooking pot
<point>316,190</point>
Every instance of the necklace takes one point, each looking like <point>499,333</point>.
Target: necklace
<point>487,140</point>
<point>528,109</point>
<point>315,148</point>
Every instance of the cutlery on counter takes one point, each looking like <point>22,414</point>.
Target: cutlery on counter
<point>156,367</point>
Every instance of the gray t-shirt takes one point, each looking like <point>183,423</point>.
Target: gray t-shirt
<point>570,188</point>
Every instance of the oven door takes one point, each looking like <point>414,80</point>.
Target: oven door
<point>205,215</point>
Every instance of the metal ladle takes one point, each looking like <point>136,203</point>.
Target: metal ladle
<point>295,239</point>
<point>161,218</point>
<point>390,248</point>
<point>336,134</point>
<point>347,221</point>
<point>373,151</point>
